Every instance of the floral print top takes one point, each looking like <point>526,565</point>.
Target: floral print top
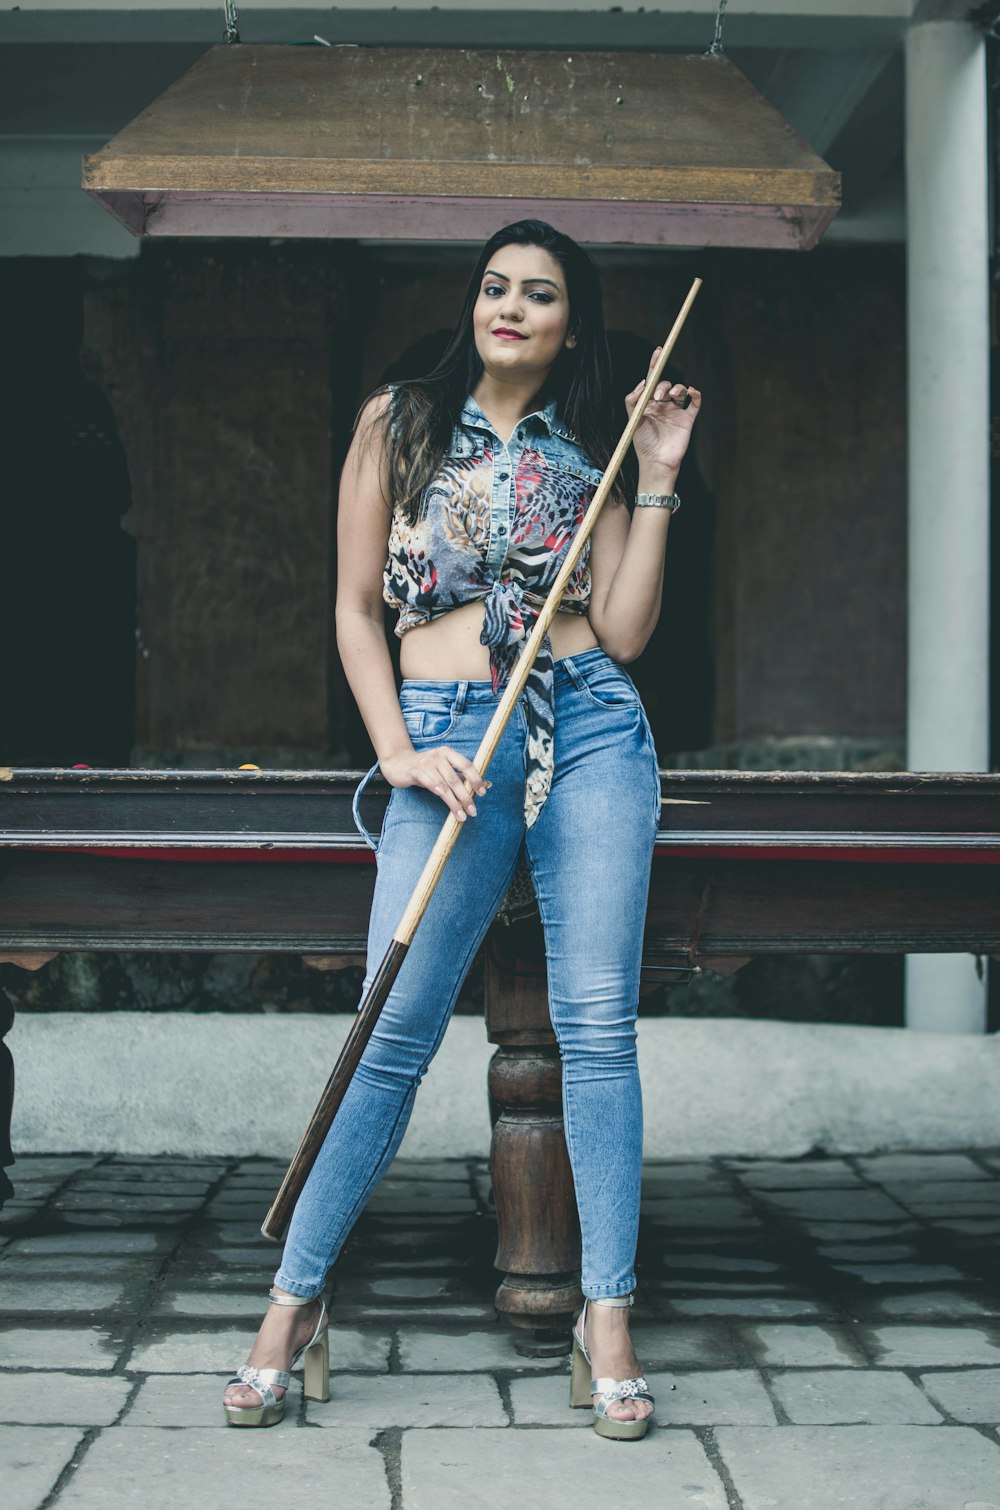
<point>495,524</point>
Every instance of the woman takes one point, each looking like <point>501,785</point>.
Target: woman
<point>460,496</point>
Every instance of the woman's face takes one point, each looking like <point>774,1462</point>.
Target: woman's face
<point>521,315</point>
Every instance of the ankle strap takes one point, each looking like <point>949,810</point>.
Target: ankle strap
<point>289,1300</point>
<point>615,1300</point>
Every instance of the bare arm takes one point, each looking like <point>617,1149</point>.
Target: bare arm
<point>363,523</point>
<point>627,554</point>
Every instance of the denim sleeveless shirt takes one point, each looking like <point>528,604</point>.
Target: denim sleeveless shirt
<point>495,524</point>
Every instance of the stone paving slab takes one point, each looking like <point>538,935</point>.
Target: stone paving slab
<point>95,1243</point>
<point>54,1296</point>
<point>726,1262</point>
<point>696,1398</point>
<point>974,1226</point>
<point>256,1257</point>
<point>752,1305</point>
<point>418,1315</point>
<point>190,1400</point>
<point>657,1170</point>
<point>809,1176</point>
<point>426,1170</point>
<point>924,1346</point>
<point>214,1302</point>
<point>865,1252</point>
<point>889,1167</point>
<point>971,1394</point>
<point>803,1346</point>
<point>836,1205</point>
<point>31,1461</point>
<point>950,1193</point>
<point>687,1211</point>
<point>556,1470</point>
<point>864,1467</point>
<point>841,1397</point>
<point>44,1399</point>
<point>687,1344</point>
<point>160,1469</point>
<point>58,1348</point>
<point>848,1232</point>
<point>463,1352</point>
<point>208,1351</point>
<point>23,1267</point>
<point>931,1305</point>
<point>410,1400</point>
<point>123,1205</point>
<point>192,1189</point>
<point>901,1274</point>
<point>252,1212</point>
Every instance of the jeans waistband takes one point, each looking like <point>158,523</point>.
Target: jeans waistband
<point>569,668</point>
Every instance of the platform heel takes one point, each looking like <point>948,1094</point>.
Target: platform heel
<point>584,1390</point>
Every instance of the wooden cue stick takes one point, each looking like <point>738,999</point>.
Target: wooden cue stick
<point>375,998</point>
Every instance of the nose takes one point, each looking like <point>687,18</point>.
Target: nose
<point>510,308</point>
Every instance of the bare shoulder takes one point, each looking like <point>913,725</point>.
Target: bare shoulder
<point>374,415</point>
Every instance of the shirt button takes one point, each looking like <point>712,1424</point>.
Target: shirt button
<point>502,530</point>
<point>503,476</point>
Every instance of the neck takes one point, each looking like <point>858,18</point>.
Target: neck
<point>506,400</point>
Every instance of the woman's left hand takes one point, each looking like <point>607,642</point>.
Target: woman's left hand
<point>665,429</point>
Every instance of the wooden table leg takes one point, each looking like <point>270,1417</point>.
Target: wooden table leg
<point>539,1232</point>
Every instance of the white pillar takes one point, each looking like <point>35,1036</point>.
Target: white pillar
<point>948,395</point>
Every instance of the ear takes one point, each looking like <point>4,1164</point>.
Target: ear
<point>571,340</point>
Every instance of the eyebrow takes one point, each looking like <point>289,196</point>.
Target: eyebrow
<point>492,273</point>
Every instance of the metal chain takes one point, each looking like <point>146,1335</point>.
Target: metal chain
<point>232,32</point>
<point>720,17</point>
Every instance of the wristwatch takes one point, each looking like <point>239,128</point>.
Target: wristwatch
<point>671,501</point>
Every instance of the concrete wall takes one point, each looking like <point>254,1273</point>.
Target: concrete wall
<point>176,1083</point>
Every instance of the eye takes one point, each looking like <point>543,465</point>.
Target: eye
<point>491,290</point>
<point>540,296</point>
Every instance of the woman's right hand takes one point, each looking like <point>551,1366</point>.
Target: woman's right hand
<point>442,771</point>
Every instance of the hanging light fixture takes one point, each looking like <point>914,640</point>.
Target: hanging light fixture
<point>654,149</point>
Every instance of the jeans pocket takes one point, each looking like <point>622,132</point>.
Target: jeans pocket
<point>609,686</point>
<point>428,726</point>
<point>427,717</point>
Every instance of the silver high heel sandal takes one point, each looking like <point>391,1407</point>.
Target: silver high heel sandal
<point>583,1388</point>
<point>316,1380</point>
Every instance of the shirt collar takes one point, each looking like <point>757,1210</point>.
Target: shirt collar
<point>473,416</point>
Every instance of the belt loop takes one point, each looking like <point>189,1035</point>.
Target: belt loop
<point>460,696</point>
<point>576,675</point>
<point>356,809</point>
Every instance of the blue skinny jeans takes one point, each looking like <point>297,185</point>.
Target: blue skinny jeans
<point>590,851</point>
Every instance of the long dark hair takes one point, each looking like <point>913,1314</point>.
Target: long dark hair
<point>420,420</point>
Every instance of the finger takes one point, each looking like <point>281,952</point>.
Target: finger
<point>438,783</point>
<point>461,793</point>
<point>652,362</point>
<point>476,782</point>
<point>457,793</point>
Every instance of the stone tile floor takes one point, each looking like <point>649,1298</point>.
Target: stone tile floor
<point>819,1333</point>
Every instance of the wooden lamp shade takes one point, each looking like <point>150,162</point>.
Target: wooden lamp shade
<point>654,149</point>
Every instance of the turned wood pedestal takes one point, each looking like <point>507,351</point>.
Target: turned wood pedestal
<point>538,1249</point>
